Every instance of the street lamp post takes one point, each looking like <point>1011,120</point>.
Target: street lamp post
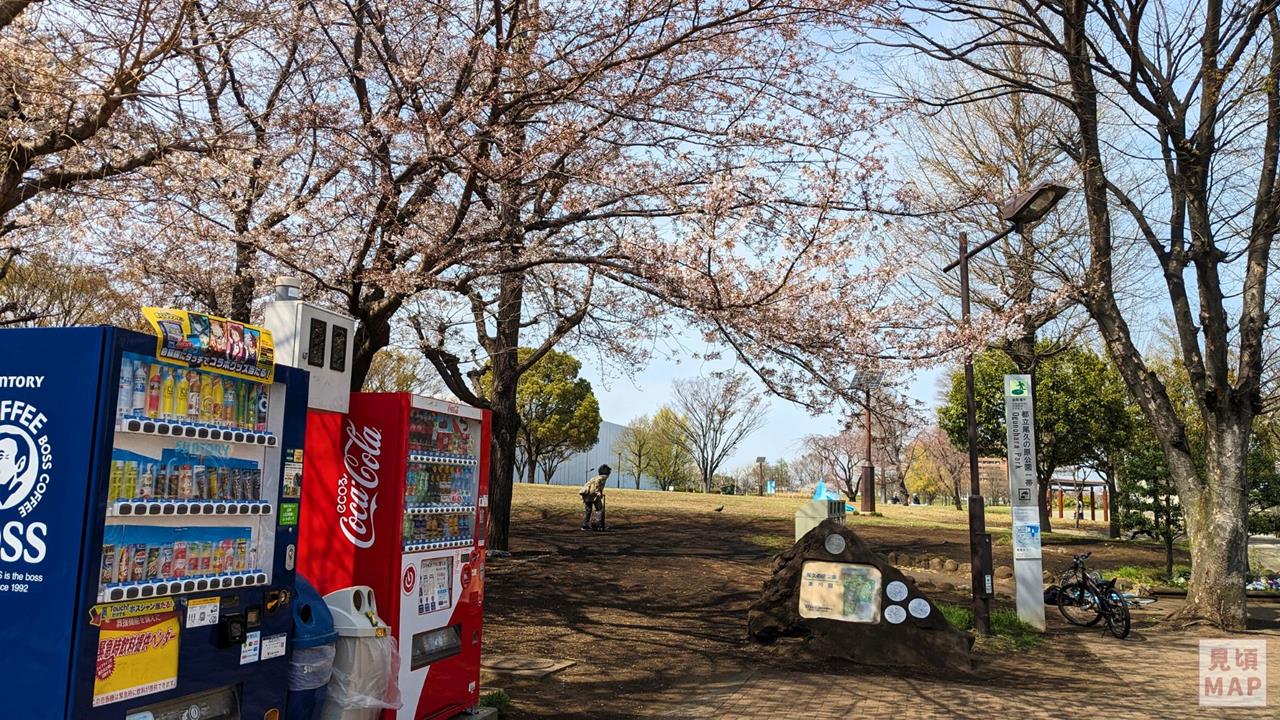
<point>868,504</point>
<point>1019,211</point>
<point>867,480</point>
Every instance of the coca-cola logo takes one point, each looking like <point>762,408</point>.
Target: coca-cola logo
<point>358,486</point>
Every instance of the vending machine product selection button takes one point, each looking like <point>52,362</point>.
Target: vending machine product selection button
<point>196,431</point>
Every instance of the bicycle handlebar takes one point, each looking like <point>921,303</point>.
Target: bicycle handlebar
<point>1081,558</point>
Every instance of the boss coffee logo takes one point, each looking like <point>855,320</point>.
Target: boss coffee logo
<point>358,487</point>
<point>26,459</point>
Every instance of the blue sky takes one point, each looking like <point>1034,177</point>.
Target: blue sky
<point>647,389</point>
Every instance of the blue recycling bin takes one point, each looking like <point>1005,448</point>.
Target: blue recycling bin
<point>313,650</point>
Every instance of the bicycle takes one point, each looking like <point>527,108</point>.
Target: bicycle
<point>1084,598</point>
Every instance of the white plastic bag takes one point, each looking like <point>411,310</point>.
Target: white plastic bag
<point>366,674</point>
<point>311,667</point>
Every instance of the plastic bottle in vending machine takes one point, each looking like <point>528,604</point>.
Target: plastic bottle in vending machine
<point>229,402</point>
<point>116,479</point>
<point>172,476</point>
<point>206,398</point>
<point>153,391</point>
<point>129,488</point>
<point>181,395</point>
<point>216,399</point>
<point>124,391</point>
<point>167,388</point>
<point>184,483</point>
<point>139,404</point>
<point>147,482</point>
<point>213,481</point>
<point>242,400</point>
<point>263,405</point>
<point>193,396</point>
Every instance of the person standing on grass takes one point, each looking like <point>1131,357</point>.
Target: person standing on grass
<point>593,498</point>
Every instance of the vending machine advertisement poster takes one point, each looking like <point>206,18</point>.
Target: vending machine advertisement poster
<point>225,346</point>
<point>137,651</point>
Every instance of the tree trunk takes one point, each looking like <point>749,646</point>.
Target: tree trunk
<point>505,365</point>
<point>532,472</point>
<point>1042,498</point>
<point>506,423</point>
<point>1217,529</point>
<point>1113,519</point>
<point>373,333</point>
<point>244,286</point>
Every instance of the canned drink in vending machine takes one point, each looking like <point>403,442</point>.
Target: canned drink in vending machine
<point>153,563</point>
<point>124,558</point>
<point>108,564</point>
<point>180,559</point>
<point>166,561</point>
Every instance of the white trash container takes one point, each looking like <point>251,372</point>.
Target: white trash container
<point>366,664</point>
<point>815,512</point>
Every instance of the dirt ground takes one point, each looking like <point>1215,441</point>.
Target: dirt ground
<point>653,614</point>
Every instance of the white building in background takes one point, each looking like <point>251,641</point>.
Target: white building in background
<point>581,467</point>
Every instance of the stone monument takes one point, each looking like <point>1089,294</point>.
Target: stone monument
<point>848,602</point>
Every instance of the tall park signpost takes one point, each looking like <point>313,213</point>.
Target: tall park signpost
<point>1020,421</point>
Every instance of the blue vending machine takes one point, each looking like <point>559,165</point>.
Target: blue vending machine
<point>148,521</point>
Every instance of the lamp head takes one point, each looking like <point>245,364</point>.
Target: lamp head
<point>1032,205</point>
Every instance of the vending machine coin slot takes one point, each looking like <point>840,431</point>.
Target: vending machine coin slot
<point>253,616</point>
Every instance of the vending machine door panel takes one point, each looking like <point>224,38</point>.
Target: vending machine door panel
<point>50,399</point>
<point>350,532</point>
<point>165,645</point>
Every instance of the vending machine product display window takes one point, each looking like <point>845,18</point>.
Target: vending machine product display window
<point>194,471</point>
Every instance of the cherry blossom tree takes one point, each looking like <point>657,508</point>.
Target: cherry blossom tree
<point>83,99</point>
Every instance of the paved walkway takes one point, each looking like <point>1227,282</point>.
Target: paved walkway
<point>1149,675</point>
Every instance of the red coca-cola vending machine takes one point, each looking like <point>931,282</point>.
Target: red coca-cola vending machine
<point>396,498</point>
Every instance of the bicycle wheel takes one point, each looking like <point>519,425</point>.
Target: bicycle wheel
<point>1079,605</point>
<point>1117,612</point>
